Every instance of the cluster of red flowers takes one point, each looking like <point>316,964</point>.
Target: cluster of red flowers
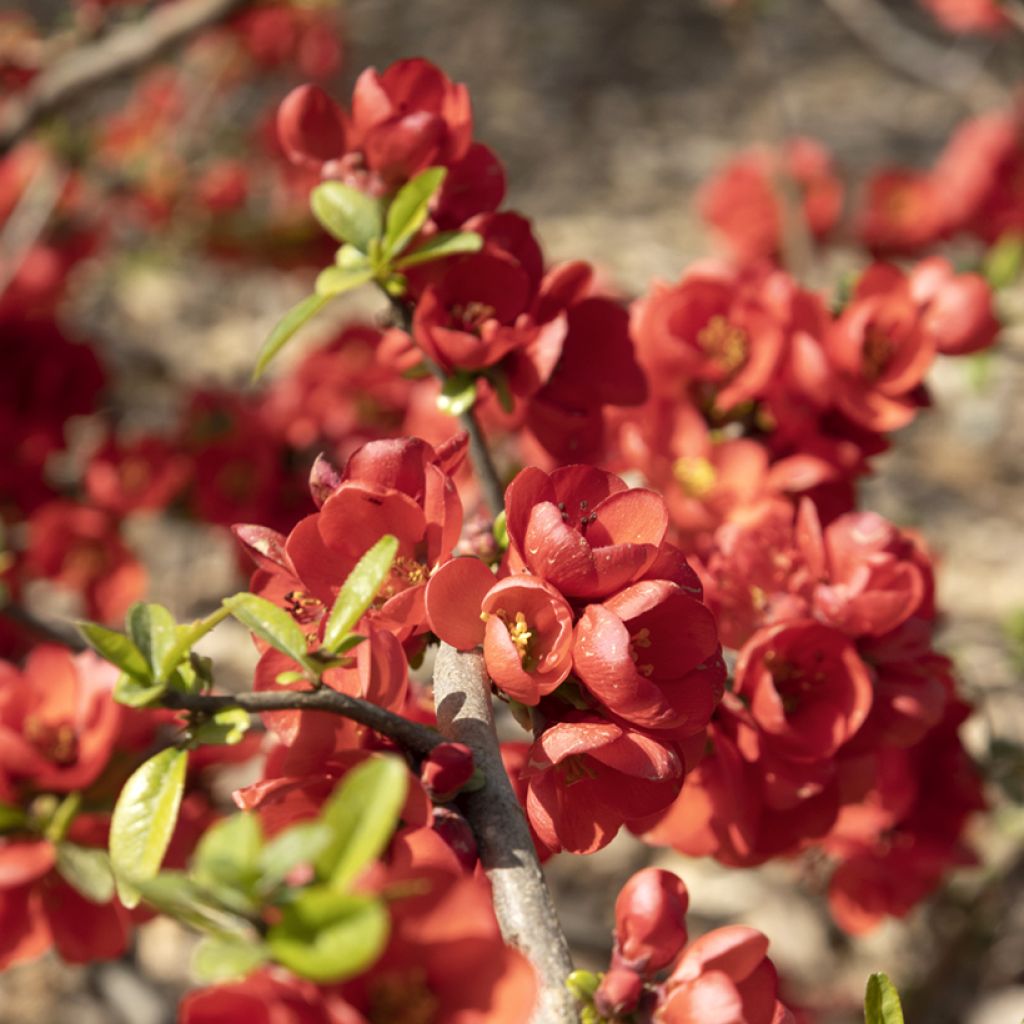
<point>748,405</point>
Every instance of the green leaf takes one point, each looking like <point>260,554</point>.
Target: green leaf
<point>286,328</point>
<point>226,959</point>
<point>437,247</point>
<point>175,894</point>
<point>332,281</point>
<point>500,531</point>
<point>300,844</point>
<point>270,623</point>
<point>133,694</point>
<point>11,817</point>
<point>408,210</point>
<point>86,869</point>
<point>1004,260</point>
<point>144,819</point>
<point>882,1002</point>
<point>226,727</point>
<point>346,213</point>
<point>582,985</point>
<point>328,936</point>
<point>229,852</point>
<point>155,633</point>
<point>457,395</point>
<point>362,814</point>
<point>117,648</point>
<point>359,590</point>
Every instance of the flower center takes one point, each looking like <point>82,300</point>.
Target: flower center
<point>695,475</point>
<point>472,316</point>
<point>878,351</point>
<point>640,641</point>
<point>724,343</point>
<point>574,769</point>
<point>519,633</point>
<point>403,997</point>
<point>57,743</point>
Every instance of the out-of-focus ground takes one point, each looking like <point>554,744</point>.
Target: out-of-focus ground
<point>607,115</point>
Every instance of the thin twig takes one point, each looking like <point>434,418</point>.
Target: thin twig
<point>120,53</point>
<point>415,737</point>
<point>905,51</point>
<point>522,902</point>
<point>27,221</point>
<point>46,631</point>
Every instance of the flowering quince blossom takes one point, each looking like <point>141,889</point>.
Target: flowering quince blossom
<point>401,487</point>
<point>971,16</point>
<point>743,201</point>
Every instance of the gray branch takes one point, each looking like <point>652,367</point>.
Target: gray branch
<point>522,902</point>
<point>120,53</point>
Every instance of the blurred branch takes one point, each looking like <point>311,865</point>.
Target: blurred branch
<point>117,54</point>
<point>913,55</point>
<point>27,221</point>
<point>522,901</point>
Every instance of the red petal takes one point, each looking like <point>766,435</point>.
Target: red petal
<point>454,597</point>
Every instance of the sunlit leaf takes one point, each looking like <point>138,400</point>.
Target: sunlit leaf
<point>408,210</point>
<point>286,328</point>
<point>346,213</point>
<point>359,590</point>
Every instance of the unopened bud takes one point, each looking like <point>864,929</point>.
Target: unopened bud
<point>618,993</point>
<point>453,828</point>
<point>650,921</point>
<point>446,769</point>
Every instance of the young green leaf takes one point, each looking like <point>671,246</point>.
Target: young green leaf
<point>87,870</point>
<point>175,894</point>
<point>269,623</point>
<point>1004,260</point>
<point>332,281</point>
<point>359,590</point>
<point>11,817</point>
<point>154,632</point>
<point>133,694</point>
<point>347,214</point>
<point>229,852</point>
<point>457,395</point>
<point>286,328</point>
<point>882,1001</point>
<point>362,814</point>
<point>226,728</point>
<point>299,844</point>
<point>437,247</point>
<point>328,936</point>
<point>144,819</point>
<point>408,210</point>
<point>117,648</point>
<point>226,959</point>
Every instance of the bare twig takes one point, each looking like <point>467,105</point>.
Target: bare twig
<point>415,737</point>
<point>120,53</point>
<point>522,902</point>
<point>44,630</point>
<point>27,221</point>
<point>950,71</point>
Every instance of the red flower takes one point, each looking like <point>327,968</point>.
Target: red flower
<point>902,213</point>
<point>588,776</point>
<point>743,200</point>
<point>310,126</point>
<point>724,977</point>
<point>147,474</point>
<point>959,307</point>
<point>881,352</point>
<point>711,333</point>
<point>970,16</point>
<point>524,624</point>
<point>58,720</point>
<point>80,548</point>
<point>807,688</point>
<point>647,655</point>
<point>582,530</point>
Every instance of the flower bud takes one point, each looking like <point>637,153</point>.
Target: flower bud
<point>453,828</point>
<point>618,993</point>
<point>446,769</point>
<point>650,921</point>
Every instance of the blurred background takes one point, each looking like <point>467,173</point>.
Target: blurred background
<point>153,219</point>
